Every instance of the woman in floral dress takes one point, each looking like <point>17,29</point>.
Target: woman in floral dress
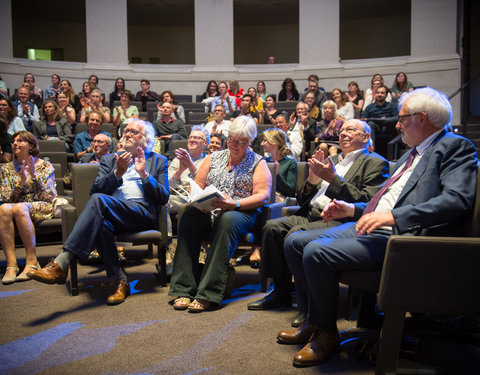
<point>27,190</point>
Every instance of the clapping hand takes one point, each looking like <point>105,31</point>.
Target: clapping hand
<point>140,162</point>
<point>28,169</point>
<point>123,161</point>
<point>326,171</point>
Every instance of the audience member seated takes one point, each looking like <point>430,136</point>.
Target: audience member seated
<point>427,195</point>
<point>73,99</point>
<point>355,174</point>
<point>219,124</point>
<point>245,180</point>
<point>257,103</point>
<point>118,89</point>
<point>51,91</point>
<point>216,142</point>
<point>183,168</point>
<point>224,99</point>
<point>84,95</point>
<point>101,145</point>
<point>354,97</point>
<point>82,143</point>
<point>67,110</point>
<point>307,128</point>
<point>145,95</point>
<point>401,85</point>
<point>178,111</point>
<point>35,90</point>
<point>244,110</point>
<point>93,79</point>
<point>27,191</point>
<point>95,105</point>
<point>235,91</point>
<point>329,129</point>
<point>382,117</point>
<point>270,113</point>
<point>167,128</point>
<point>371,93</point>
<point>3,89</point>
<point>275,144</point>
<point>52,125</point>
<point>124,113</point>
<point>125,196</point>
<point>262,90</point>
<point>211,90</point>
<point>271,60</point>
<point>313,111</point>
<point>8,112</point>
<point>26,109</point>
<point>345,109</point>
<point>320,95</point>
<point>5,145</point>
<point>288,92</point>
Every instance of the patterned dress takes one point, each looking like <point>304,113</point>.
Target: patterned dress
<point>38,194</point>
<point>237,183</point>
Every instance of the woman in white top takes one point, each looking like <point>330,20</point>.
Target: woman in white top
<point>345,110</point>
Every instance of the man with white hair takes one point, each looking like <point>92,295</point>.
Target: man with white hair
<point>130,185</point>
<point>430,192</point>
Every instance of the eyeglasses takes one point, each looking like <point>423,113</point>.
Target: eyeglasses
<point>195,138</point>
<point>236,141</point>
<point>131,131</point>
<point>350,130</point>
<point>401,118</point>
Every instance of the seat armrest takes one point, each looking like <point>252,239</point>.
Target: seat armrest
<point>68,220</point>
<point>272,211</point>
<point>430,274</point>
<point>289,210</point>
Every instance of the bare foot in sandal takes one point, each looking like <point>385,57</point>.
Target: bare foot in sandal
<point>181,303</point>
<point>199,305</point>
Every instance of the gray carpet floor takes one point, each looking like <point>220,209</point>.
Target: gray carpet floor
<point>45,331</point>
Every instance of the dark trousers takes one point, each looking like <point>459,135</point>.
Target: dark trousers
<point>196,226</point>
<point>103,217</point>
<point>273,263</point>
<point>316,264</point>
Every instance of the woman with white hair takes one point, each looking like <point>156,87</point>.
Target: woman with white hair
<point>245,181</point>
<point>329,128</point>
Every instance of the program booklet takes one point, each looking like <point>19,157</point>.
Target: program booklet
<point>198,197</point>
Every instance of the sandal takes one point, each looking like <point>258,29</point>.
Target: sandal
<point>7,280</point>
<point>23,276</point>
<point>181,303</point>
<point>199,305</point>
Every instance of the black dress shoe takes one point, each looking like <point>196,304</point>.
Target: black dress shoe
<point>299,320</point>
<point>271,301</point>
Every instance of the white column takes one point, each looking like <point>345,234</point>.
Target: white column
<point>319,24</point>
<point>6,41</point>
<point>106,23</point>
<point>434,28</point>
<point>213,35</point>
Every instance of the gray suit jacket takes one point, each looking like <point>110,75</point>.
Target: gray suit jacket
<point>440,193</point>
<point>364,178</point>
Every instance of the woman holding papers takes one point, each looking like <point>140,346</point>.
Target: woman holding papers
<point>245,181</point>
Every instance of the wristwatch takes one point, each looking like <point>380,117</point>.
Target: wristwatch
<point>310,184</point>
<point>237,207</point>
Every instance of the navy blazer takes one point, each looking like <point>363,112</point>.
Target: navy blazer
<point>155,186</point>
<point>440,190</point>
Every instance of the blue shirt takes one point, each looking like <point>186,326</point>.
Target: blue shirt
<point>374,111</point>
<point>83,140</point>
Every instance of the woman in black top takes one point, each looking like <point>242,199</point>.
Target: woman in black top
<point>289,91</point>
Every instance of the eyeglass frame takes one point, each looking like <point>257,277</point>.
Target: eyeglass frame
<point>236,141</point>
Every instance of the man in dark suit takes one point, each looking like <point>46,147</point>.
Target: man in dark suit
<point>354,175</point>
<point>124,198</point>
<point>432,188</point>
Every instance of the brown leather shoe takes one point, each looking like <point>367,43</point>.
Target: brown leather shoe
<point>299,335</point>
<point>50,274</point>
<point>322,346</point>
<point>122,290</point>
